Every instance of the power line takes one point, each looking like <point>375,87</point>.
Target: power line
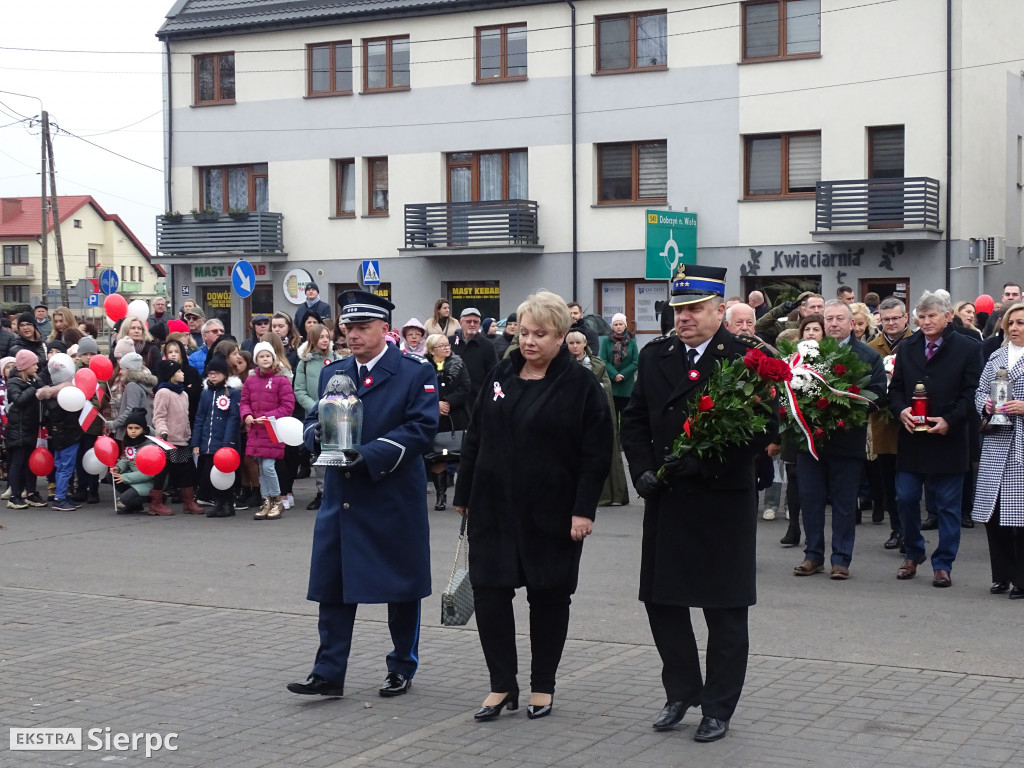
<point>123,127</point>
<point>116,154</point>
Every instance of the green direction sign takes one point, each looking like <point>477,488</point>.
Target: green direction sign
<point>671,241</point>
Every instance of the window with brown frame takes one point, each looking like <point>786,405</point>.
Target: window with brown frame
<point>214,78</point>
<point>329,67</point>
<point>377,179</point>
<point>631,42</point>
<point>345,188</point>
<point>501,53</point>
<point>235,187</point>
<point>386,63</point>
<point>17,293</point>
<point>635,172</point>
<point>495,175</point>
<point>15,254</point>
<point>781,165</point>
<point>781,29</point>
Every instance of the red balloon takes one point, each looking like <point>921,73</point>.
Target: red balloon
<point>102,367</point>
<point>150,460</point>
<point>40,462</point>
<point>106,450</point>
<point>85,380</point>
<point>984,303</point>
<point>116,307</point>
<point>226,459</point>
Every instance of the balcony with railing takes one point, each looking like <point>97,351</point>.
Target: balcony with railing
<point>877,209</point>
<point>17,271</point>
<point>491,226</point>
<point>252,235</point>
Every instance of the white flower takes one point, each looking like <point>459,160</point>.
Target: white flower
<point>808,348</point>
<point>801,380</point>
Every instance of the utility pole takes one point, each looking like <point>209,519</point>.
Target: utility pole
<point>42,198</point>
<point>56,220</point>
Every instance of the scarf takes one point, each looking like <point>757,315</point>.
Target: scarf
<point>175,388</point>
<point>420,349</point>
<point>621,341</point>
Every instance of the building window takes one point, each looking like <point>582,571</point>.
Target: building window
<point>885,152</point>
<point>215,78</point>
<point>330,68</point>
<point>238,187</point>
<point>386,63</point>
<point>780,29</point>
<point>377,174</point>
<point>501,53</point>
<point>78,223</point>
<point>782,164</point>
<point>124,273</point>
<point>501,175</point>
<point>345,188</point>
<point>93,258</point>
<point>632,173</point>
<point>15,254</point>
<point>16,293</point>
<point>632,41</point>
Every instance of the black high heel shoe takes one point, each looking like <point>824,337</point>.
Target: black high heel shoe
<point>510,702</point>
<point>537,711</point>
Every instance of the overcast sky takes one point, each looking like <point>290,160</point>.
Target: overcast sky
<point>111,98</point>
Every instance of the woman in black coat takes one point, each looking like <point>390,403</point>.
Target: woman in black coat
<point>28,337</point>
<point>453,395</point>
<point>534,460</point>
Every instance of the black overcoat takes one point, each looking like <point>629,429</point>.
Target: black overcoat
<point>950,378</point>
<point>700,534</point>
<point>525,473</point>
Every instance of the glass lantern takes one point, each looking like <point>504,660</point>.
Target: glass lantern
<point>341,422</point>
<point>999,393</point>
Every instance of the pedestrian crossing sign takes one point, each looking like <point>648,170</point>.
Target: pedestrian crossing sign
<point>371,273</point>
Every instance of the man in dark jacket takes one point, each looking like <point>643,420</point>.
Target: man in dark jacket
<point>260,324</point>
<point>313,304</point>
<point>949,365</point>
<point>501,343</point>
<point>1011,295</point>
<point>7,338</point>
<point>836,473</point>
<point>700,528</point>
<point>475,349</point>
<point>578,324</point>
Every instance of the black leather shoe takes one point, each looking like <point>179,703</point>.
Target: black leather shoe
<point>966,523</point>
<point>711,729</point>
<point>931,523</point>
<point>315,503</point>
<point>537,711</point>
<point>395,684</point>
<point>791,539</point>
<point>1016,593</point>
<point>893,541</point>
<point>491,711</point>
<point>672,713</point>
<point>998,587</point>
<point>317,686</point>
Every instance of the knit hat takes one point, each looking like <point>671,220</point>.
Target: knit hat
<point>165,369</point>
<point>312,285</point>
<point>123,347</point>
<point>263,346</point>
<point>56,344</point>
<point>87,346</point>
<point>61,367</point>
<point>218,363</point>
<point>177,326</point>
<point>511,318</point>
<point>131,361</point>
<point>25,359</point>
<point>619,316</point>
<point>5,362</point>
<point>138,418</point>
<point>158,330</point>
<point>26,317</point>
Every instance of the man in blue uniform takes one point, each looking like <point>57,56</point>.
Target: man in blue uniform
<point>371,540</point>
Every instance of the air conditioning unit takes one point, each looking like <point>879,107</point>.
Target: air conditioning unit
<point>995,250</point>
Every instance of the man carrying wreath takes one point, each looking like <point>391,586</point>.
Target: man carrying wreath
<point>700,515</point>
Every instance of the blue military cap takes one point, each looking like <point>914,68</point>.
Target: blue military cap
<point>361,306</point>
<point>696,282</point>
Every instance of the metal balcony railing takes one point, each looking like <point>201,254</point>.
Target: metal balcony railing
<point>252,233</point>
<point>468,224</point>
<point>902,203</point>
<point>18,270</point>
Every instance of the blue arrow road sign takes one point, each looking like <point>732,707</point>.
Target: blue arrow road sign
<point>109,281</point>
<point>243,278</point>
<point>94,300</point>
<point>371,273</point>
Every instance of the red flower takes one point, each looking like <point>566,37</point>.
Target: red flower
<point>753,358</point>
<point>854,389</point>
<point>841,424</point>
<point>840,369</point>
<point>782,412</point>
<point>772,391</point>
<point>705,404</point>
<point>771,369</point>
<point>822,403</point>
<point>819,433</point>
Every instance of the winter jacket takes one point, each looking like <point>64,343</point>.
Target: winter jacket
<point>61,425</point>
<point>218,424</point>
<point>142,484</point>
<point>7,342</point>
<point>170,416</point>
<point>320,308</point>
<point>454,388</point>
<point>307,376</point>
<point>35,346</point>
<point>22,412</point>
<point>198,358</point>
<point>137,393</point>
<point>265,394</point>
<point>627,366</point>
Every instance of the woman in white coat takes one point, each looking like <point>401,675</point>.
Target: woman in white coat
<point>999,499</point>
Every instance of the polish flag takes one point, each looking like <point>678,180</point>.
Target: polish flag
<point>429,388</point>
<point>162,443</point>
<point>271,425</point>
<point>88,416</point>
<point>101,395</point>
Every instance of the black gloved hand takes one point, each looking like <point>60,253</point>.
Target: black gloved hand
<point>317,432</point>
<point>788,306</point>
<point>687,466</point>
<point>648,485</point>
<point>358,466</point>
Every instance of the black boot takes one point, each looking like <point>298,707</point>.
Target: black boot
<point>792,537</point>
<point>440,491</point>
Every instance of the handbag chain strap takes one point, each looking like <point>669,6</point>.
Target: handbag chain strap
<point>458,550</point>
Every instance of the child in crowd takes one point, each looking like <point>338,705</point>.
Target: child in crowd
<point>23,429</point>
<point>170,421</point>
<point>89,485</point>
<point>7,369</point>
<point>132,486</point>
<point>266,393</point>
<point>63,428</point>
<point>217,426</point>
<point>136,385</point>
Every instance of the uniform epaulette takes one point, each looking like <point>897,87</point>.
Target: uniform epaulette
<point>670,335</point>
<point>416,358</point>
<point>753,342</point>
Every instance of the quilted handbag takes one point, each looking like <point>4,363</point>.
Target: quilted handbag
<point>457,598</point>
<point>447,446</point>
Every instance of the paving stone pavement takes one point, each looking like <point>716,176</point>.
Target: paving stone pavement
<point>215,673</point>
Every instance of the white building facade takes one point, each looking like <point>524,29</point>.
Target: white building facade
<point>437,138</point>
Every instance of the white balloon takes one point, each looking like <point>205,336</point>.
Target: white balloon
<point>71,399</point>
<point>289,430</point>
<point>93,465</point>
<point>139,309</point>
<point>221,480</point>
